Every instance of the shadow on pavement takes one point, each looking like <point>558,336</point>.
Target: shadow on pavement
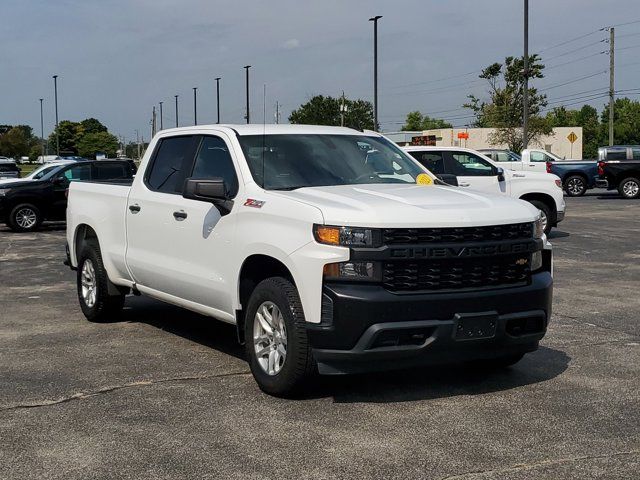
<point>555,233</point>
<point>397,386</point>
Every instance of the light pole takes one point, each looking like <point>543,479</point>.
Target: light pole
<point>161,126</point>
<point>375,70</point>
<point>525,93</point>
<point>176,110</point>
<point>195,105</point>
<point>218,97</point>
<point>42,129</point>
<point>55,93</point>
<point>247,67</point>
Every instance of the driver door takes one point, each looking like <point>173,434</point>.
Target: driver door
<point>474,172</point>
<point>538,162</point>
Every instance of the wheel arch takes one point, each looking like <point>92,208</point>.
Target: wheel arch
<point>83,233</point>
<point>544,198</point>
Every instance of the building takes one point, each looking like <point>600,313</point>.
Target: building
<point>559,142</point>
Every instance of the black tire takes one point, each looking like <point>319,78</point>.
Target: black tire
<point>546,210</point>
<point>629,188</point>
<point>298,364</point>
<point>575,185</point>
<point>18,218</point>
<point>105,306</point>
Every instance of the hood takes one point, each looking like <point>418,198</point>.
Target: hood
<point>4,182</point>
<point>404,206</point>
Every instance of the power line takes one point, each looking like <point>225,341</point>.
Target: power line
<point>566,42</point>
<point>626,23</point>
<point>576,50</point>
<point>436,80</point>
<point>572,81</point>
<point>574,61</point>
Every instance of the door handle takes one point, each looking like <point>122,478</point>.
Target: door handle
<point>134,208</point>
<point>464,184</point>
<point>179,216</point>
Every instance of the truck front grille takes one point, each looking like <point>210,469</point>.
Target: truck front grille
<point>409,236</point>
<point>456,274</point>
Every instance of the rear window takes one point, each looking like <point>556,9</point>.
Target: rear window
<point>168,169</point>
<point>9,167</point>
<point>618,154</point>
<point>112,171</point>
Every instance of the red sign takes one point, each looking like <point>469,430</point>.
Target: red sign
<point>463,135</point>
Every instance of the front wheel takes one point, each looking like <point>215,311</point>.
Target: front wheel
<point>277,347</point>
<point>24,217</point>
<point>545,211</point>
<point>97,304</point>
<point>629,188</point>
<point>575,186</point>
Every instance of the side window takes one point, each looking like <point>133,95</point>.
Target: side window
<point>432,161</point>
<point>470,165</point>
<point>538,157</point>
<point>214,160</point>
<point>616,154</point>
<point>635,153</point>
<point>503,157</point>
<point>78,172</point>
<point>111,171</point>
<point>167,171</point>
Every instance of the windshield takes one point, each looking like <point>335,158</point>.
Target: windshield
<point>515,157</point>
<point>39,173</point>
<point>287,162</point>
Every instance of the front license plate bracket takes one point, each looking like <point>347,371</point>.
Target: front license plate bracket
<point>475,326</point>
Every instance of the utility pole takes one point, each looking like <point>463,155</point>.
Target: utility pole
<point>612,94</point>
<point>161,123</point>
<point>42,129</point>
<point>176,110</point>
<point>277,115</point>
<point>218,97</point>
<point>525,72</point>
<point>138,142</point>
<point>247,67</point>
<point>343,110</point>
<point>375,70</point>
<point>195,105</point>
<point>55,93</point>
<point>153,122</point>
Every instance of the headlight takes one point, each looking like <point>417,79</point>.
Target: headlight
<point>538,228</point>
<point>346,236</point>
<point>355,271</point>
<point>536,261</point>
<point>4,191</point>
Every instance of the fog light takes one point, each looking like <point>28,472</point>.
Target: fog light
<point>360,271</point>
<point>536,261</point>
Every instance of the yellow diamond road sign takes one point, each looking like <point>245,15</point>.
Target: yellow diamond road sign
<point>572,137</point>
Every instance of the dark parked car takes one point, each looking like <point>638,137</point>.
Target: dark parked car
<point>621,175</point>
<point>24,205</point>
<point>9,169</point>
<point>577,176</point>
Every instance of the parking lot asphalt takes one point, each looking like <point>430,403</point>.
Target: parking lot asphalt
<point>165,393</point>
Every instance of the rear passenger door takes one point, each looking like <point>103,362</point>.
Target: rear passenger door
<point>506,161</point>
<point>103,171</point>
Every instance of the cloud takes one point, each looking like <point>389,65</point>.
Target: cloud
<point>291,43</point>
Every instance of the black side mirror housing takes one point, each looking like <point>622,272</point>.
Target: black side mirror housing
<point>205,190</point>
<point>448,179</point>
<point>59,181</point>
<point>211,190</point>
<point>500,172</point>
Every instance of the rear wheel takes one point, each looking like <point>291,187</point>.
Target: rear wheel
<point>276,338</point>
<point>97,304</point>
<point>575,186</point>
<point>545,211</point>
<point>629,188</point>
<point>24,217</point>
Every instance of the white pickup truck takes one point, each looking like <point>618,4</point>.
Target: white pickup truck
<point>477,171</point>
<point>329,248</point>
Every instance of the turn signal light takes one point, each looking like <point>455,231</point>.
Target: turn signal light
<point>328,235</point>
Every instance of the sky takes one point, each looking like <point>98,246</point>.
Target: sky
<point>116,59</point>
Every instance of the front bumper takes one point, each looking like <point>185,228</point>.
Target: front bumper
<point>559,216</point>
<point>367,328</point>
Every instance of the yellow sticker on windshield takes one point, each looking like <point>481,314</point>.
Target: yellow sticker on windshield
<point>424,179</point>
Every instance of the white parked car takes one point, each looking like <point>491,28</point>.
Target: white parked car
<point>476,171</point>
<point>330,249</point>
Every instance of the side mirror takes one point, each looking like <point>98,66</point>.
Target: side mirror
<point>448,179</point>
<point>500,172</point>
<point>209,190</point>
<point>60,181</point>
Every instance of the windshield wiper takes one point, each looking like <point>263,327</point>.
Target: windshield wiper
<point>286,189</point>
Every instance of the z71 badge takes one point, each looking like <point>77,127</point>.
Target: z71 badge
<point>253,203</point>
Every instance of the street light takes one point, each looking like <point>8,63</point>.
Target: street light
<point>247,67</point>
<point>161,126</point>
<point>375,70</point>
<point>42,129</point>
<point>55,92</point>
<point>195,105</point>
<point>218,96</point>
<point>525,93</point>
<point>176,110</point>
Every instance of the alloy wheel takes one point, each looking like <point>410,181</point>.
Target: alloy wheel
<point>270,338</point>
<point>631,188</point>
<point>89,283</point>
<point>26,218</point>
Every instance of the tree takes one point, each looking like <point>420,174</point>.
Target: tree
<point>587,118</point>
<point>91,125</point>
<point>417,121</point>
<point>325,110</point>
<point>17,141</point>
<point>91,143</point>
<point>504,110</point>
<point>626,122</point>
<point>69,134</point>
